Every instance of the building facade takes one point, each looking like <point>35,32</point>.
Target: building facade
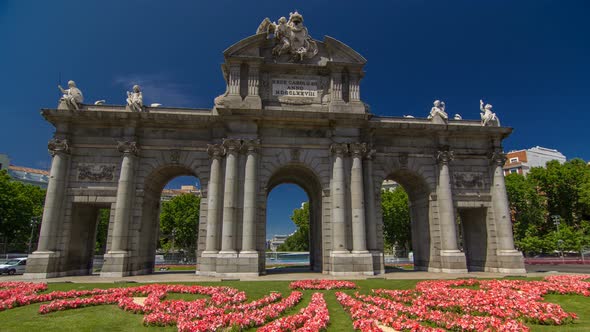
<point>291,113</point>
<point>521,161</point>
<point>26,175</point>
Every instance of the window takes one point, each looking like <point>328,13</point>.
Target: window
<point>22,263</point>
<point>514,160</point>
<point>513,170</point>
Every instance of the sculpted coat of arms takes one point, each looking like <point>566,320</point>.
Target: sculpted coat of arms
<point>291,37</point>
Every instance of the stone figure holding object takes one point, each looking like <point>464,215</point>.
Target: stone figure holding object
<point>135,99</point>
<point>72,97</point>
<point>438,109</point>
<point>488,118</point>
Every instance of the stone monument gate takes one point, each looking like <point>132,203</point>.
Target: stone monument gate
<point>292,113</point>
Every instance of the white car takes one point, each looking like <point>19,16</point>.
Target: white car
<point>13,266</point>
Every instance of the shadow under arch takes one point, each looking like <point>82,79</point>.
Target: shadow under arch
<point>149,225</point>
<point>418,195</point>
<point>310,183</point>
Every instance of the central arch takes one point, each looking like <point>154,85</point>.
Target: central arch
<point>309,182</point>
<point>149,225</point>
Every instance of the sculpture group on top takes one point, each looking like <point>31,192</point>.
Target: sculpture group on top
<point>72,98</point>
<point>135,99</point>
<point>488,118</point>
<point>438,114</point>
<point>291,37</point>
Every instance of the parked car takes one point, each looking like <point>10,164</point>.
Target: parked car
<point>13,266</point>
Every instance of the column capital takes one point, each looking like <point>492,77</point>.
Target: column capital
<point>358,150</point>
<point>498,158</point>
<point>56,145</point>
<point>339,149</point>
<point>232,145</point>
<point>250,145</point>
<point>371,153</point>
<point>128,147</point>
<point>444,156</point>
<point>215,151</point>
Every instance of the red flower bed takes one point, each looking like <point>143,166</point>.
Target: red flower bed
<point>322,284</point>
<point>461,305</point>
<point>498,305</point>
<point>314,317</point>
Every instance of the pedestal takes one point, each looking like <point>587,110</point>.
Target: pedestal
<point>115,264</point>
<point>42,265</point>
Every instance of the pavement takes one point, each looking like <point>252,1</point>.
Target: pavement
<point>190,276</point>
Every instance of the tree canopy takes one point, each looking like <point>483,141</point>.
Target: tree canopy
<point>21,208</point>
<point>550,207</point>
<point>396,219</point>
<point>179,223</point>
<point>299,241</point>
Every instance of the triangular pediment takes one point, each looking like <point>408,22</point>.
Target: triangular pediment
<point>329,50</point>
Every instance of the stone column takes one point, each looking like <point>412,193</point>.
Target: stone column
<point>370,201</point>
<point>504,234</point>
<point>446,211</point>
<point>230,201</point>
<point>125,192</point>
<point>216,153</point>
<point>337,84</point>
<point>357,199</point>
<point>354,89</point>
<point>59,149</point>
<point>253,78</point>
<point>509,260</point>
<point>234,79</point>
<point>250,195</point>
<point>339,199</point>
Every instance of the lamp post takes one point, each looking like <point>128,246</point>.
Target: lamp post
<point>556,221</point>
<point>34,223</point>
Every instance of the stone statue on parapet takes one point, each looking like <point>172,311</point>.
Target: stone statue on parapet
<point>72,97</point>
<point>291,37</point>
<point>438,111</point>
<point>488,118</point>
<point>135,99</point>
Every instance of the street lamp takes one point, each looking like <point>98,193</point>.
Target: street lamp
<point>556,221</point>
<point>34,223</point>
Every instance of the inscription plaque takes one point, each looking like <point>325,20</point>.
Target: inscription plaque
<point>295,87</point>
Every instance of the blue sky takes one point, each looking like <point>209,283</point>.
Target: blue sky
<point>530,59</point>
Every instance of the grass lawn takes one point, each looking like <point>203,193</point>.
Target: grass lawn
<point>111,318</point>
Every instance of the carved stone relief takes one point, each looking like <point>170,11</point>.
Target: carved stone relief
<point>469,180</point>
<point>96,172</point>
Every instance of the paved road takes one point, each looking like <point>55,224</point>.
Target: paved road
<point>568,268</point>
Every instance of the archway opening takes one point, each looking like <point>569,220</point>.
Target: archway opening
<point>287,229</point>
<point>297,198</point>
<point>170,221</point>
<point>404,198</point>
<point>88,243</point>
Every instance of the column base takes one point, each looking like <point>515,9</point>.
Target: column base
<point>43,265</point>
<point>351,264</point>
<point>378,262</point>
<point>453,261</point>
<point>509,261</point>
<point>115,264</point>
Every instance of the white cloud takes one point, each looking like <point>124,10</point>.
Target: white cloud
<point>159,88</point>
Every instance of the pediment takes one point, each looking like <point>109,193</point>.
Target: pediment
<point>329,50</point>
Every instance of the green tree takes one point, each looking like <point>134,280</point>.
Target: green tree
<point>528,209</point>
<point>20,205</point>
<point>396,218</point>
<point>101,231</point>
<point>299,241</point>
<point>179,223</point>
<point>566,188</point>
